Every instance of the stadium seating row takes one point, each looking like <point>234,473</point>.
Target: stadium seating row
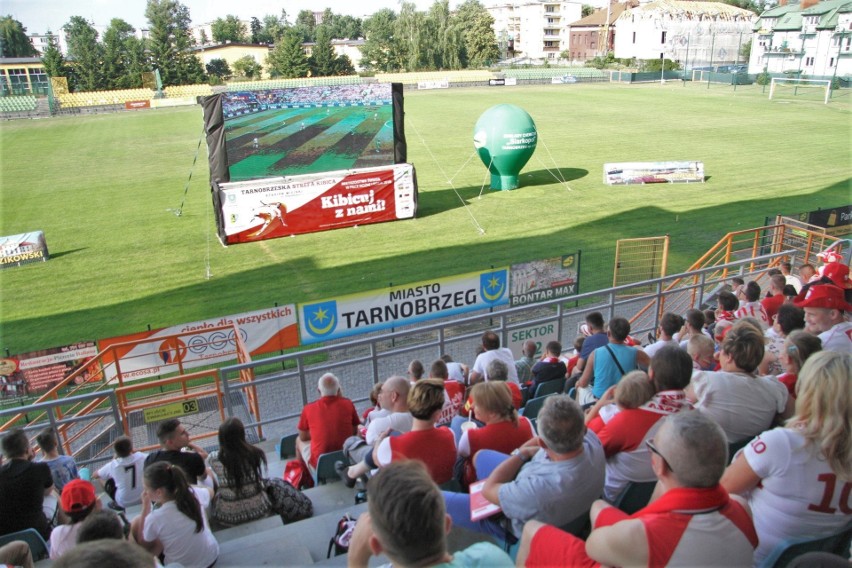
<point>180,91</point>
<point>546,72</point>
<point>96,98</point>
<point>301,82</point>
<point>18,104</point>
<point>450,76</point>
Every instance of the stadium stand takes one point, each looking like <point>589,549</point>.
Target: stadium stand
<point>26,103</point>
<point>103,98</point>
<point>287,83</point>
<point>179,91</point>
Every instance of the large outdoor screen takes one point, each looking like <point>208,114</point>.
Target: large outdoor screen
<point>305,130</point>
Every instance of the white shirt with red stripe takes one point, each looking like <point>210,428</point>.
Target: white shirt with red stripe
<point>799,496</point>
<point>753,310</point>
<point>838,338</point>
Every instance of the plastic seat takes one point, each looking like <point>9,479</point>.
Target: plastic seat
<point>635,496</point>
<point>287,447</point>
<point>533,406</point>
<point>550,387</point>
<point>836,543</point>
<point>325,467</point>
<point>38,547</point>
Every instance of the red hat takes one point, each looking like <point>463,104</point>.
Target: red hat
<point>824,296</point>
<point>838,273</point>
<point>829,256</point>
<point>77,495</point>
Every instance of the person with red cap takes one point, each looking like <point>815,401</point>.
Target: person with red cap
<point>78,501</point>
<point>824,306</point>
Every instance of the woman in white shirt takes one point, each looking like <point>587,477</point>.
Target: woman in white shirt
<point>797,478</point>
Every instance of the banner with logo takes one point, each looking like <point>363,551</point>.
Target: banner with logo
<point>262,331</point>
<point>278,207</point>
<point>547,279</point>
<point>402,305</point>
<point>24,248</point>
<point>836,221</point>
<point>653,172</point>
<point>40,370</point>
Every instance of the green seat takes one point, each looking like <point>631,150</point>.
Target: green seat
<point>325,467</point>
<point>549,387</point>
<point>38,547</point>
<point>287,447</point>
<point>533,406</point>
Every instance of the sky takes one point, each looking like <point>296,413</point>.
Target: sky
<point>39,16</point>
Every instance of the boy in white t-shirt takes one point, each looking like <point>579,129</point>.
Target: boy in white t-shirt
<point>122,477</point>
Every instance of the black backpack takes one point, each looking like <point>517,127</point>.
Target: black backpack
<point>340,541</point>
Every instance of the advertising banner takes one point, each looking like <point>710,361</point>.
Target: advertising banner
<point>262,331</point>
<point>542,280</point>
<point>440,84</point>
<point>24,248</point>
<point>653,172</point>
<point>278,207</point>
<point>133,105</point>
<point>40,370</point>
<point>402,305</point>
<point>836,221</point>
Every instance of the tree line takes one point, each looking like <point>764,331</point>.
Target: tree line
<point>406,41</point>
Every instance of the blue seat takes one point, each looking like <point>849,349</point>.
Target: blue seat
<point>836,543</point>
<point>635,496</point>
<point>549,387</point>
<point>325,467</point>
<point>38,548</point>
<point>533,406</point>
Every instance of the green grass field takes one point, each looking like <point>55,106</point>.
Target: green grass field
<point>101,187</point>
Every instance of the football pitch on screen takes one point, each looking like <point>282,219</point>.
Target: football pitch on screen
<point>105,189</point>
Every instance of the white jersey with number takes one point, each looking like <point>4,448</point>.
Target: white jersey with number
<point>127,474</point>
<point>798,496</point>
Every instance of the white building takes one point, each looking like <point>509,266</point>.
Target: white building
<point>535,29</point>
<point>690,32</point>
<point>812,38</point>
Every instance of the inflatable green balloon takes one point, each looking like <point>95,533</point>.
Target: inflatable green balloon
<point>505,137</point>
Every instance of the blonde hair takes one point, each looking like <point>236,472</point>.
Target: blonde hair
<point>634,390</point>
<point>425,398</point>
<point>700,345</point>
<point>800,345</point>
<point>824,408</point>
<point>495,397</point>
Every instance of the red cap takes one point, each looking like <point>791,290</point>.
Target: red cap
<point>77,495</point>
<point>838,273</point>
<point>829,256</point>
<point>825,296</point>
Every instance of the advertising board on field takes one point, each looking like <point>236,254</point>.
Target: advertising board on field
<point>201,344</point>
<point>23,248</point>
<point>624,173</point>
<point>837,221</point>
<point>278,207</point>
<point>41,370</point>
<point>402,305</point>
<point>545,279</point>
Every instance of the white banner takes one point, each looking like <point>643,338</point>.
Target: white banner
<point>200,343</point>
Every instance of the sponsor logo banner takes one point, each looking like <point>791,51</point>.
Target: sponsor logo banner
<point>653,172</point>
<point>200,344</point>
<point>41,370</point>
<point>24,248</point>
<point>547,279</point>
<point>836,221</point>
<point>563,80</point>
<point>441,84</point>
<point>496,82</point>
<point>402,305</point>
<point>132,105</point>
<point>278,207</point>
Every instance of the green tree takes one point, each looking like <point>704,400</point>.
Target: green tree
<point>170,42</point>
<point>306,25</point>
<point>745,50</point>
<point>380,51</point>
<point>273,28</point>
<point>202,37</point>
<point>53,60</point>
<point>288,59</point>
<point>255,28</point>
<point>117,56</point>
<point>87,74</point>
<point>449,46</point>
<point>218,68</point>
<point>412,39</point>
<point>481,42</point>
<point>343,65</point>
<point>13,39</point>
<point>345,27</point>
<point>587,10</point>
<point>323,58</point>
<point>229,28</point>
<point>247,67</point>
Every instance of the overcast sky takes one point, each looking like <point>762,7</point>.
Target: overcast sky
<point>40,15</point>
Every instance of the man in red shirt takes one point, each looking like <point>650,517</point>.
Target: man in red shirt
<point>325,423</point>
<point>774,301</point>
